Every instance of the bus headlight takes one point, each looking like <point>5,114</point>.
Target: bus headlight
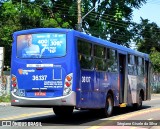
<point>68,84</point>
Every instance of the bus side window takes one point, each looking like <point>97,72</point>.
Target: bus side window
<point>99,58</point>
<point>135,65</point>
<point>112,60</point>
<point>140,66</point>
<point>84,54</point>
<point>86,62</point>
<point>84,47</point>
<point>131,63</point>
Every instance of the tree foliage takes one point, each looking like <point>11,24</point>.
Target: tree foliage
<point>16,16</point>
<point>147,36</point>
<point>148,41</point>
<point>109,20</point>
<point>155,58</point>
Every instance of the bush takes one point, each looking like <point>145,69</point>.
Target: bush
<point>5,98</point>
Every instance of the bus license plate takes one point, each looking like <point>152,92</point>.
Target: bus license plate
<point>40,93</point>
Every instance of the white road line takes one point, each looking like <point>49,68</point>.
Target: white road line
<point>150,119</point>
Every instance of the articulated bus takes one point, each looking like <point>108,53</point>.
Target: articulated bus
<point>65,69</point>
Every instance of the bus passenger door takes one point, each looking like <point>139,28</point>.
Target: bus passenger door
<point>147,79</point>
<point>122,79</point>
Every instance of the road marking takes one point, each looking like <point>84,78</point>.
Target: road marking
<point>140,112</point>
<point>25,115</point>
<point>117,127</point>
<point>125,117</point>
<point>94,127</point>
<point>154,99</point>
<point>150,119</point>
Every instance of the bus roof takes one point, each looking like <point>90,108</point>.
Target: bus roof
<point>93,39</point>
<point>120,48</point>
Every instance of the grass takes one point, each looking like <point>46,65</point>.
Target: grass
<point>5,98</point>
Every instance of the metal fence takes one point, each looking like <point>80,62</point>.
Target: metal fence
<point>156,83</point>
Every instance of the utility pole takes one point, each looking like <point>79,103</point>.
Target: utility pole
<point>79,26</point>
<point>80,18</point>
<point>21,5</point>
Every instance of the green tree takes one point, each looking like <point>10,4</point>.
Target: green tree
<point>111,19</point>
<point>155,58</point>
<point>147,36</point>
<point>8,24</point>
<point>16,16</point>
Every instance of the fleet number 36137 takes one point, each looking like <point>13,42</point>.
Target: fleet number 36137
<point>39,77</point>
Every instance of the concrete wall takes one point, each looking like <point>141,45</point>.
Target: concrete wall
<point>5,84</point>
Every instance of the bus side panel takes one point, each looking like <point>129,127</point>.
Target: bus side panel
<point>109,81</point>
<point>135,83</point>
<point>141,85</point>
<point>132,90</point>
<point>89,96</point>
<point>94,88</point>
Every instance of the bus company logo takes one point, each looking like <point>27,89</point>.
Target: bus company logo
<point>20,71</point>
<point>25,72</point>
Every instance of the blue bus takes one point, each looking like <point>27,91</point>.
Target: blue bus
<point>65,69</point>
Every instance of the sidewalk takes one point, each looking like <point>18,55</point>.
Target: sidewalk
<point>126,127</point>
<point>155,94</point>
<point>155,127</point>
<point>5,104</point>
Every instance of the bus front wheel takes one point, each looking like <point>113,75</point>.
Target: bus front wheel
<point>63,110</point>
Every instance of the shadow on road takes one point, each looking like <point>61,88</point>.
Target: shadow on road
<point>85,117</point>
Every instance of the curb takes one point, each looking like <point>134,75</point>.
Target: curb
<point>155,94</point>
<point>155,127</point>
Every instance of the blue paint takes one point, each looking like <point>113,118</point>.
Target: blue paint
<point>91,86</point>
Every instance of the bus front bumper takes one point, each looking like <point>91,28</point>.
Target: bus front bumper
<point>68,100</point>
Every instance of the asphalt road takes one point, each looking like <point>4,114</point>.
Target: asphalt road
<point>149,114</point>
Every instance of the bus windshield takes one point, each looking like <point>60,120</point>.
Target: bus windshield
<point>41,45</point>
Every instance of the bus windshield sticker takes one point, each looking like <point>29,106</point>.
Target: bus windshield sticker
<point>39,65</point>
<point>53,84</point>
<point>42,45</point>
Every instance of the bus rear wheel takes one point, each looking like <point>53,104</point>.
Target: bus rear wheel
<point>107,111</point>
<point>139,104</point>
<point>63,110</point>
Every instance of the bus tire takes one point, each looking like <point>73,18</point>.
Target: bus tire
<point>108,106</point>
<point>138,105</point>
<point>63,110</point>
